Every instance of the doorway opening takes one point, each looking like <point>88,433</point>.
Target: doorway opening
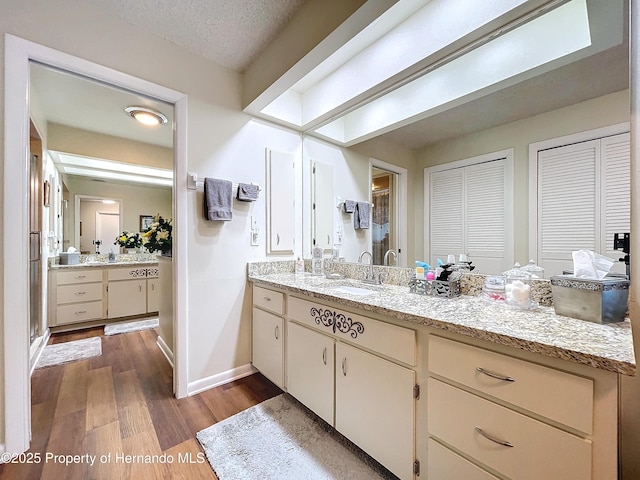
<point>18,60</point>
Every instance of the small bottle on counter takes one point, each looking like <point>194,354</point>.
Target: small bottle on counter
<point>299,266</point>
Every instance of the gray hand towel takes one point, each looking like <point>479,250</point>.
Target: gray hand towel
<point>362,215</point>
<point>218,198</point>
<point>349,206</point>
<point>248,192</point>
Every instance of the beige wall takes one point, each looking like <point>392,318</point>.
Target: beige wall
<point>600,112</point>
<point>83,142</point>
<point>136,200</point>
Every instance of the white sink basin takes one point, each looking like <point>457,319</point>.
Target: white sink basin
<point>354,290</point>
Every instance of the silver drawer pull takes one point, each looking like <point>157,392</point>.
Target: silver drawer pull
<point>266,299</point>
<point>324,355</point>
<point>495,375</point>
<point>81,293</point>
<point>492,438</point>
<point>81,312</point>
<point>80,276</point>
<point>276,332</point>
<point>344,366</point>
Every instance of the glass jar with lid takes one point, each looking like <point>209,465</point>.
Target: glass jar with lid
<point>535,270</point>
<point>518,288</point>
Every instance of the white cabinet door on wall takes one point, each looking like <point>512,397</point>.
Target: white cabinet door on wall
<point>280,202</point>
<point>323,205</point>
<point>375,407</point>
<point>310,360</point>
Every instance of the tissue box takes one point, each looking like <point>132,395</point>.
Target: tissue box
<point>599,301</point>
<point>69,258</point>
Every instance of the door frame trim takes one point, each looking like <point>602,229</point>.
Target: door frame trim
<point>18,55</point>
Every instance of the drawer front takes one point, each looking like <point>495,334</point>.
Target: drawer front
<point>268,299</point>
<point>538,450</point>
<point>126,273</point>
<point>81,292</point>
<point>556,395</point>
<point>384,338</point>
<point>444,464</point>
<point>152,272</point>
<point>78,312</point>
<point>78,276</point>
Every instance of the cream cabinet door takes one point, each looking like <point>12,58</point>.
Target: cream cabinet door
<point>127,297</point>
<point>375,407</point>
<point>310,369</point>
<point>153,295</point>
<point>268,345</point>
<point>281,184</point>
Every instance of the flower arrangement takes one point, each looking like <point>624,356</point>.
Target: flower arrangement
<point>158,236</point>
<point>129,240</point>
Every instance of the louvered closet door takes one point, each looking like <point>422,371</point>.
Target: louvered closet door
<point>486,234</point>
<point>567,203</point>
<point>446,214</point>
<point>468,214</point>
<point>616,193</point>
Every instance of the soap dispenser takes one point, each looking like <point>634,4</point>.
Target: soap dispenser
<point>317,267</point>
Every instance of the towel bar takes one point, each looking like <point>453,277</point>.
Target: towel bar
<point>193,183</point>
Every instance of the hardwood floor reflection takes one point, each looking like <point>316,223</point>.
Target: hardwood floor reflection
<point>118,410</point>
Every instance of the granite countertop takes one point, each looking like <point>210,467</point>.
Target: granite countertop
<point>607,347</point>
<point>128,263</point>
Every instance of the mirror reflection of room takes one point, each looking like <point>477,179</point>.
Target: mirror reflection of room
<point>383,227</point>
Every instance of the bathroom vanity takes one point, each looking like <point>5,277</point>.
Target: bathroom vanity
<point>90,294</point>
<point>446,388</point>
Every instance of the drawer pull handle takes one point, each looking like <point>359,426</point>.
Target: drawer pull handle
<point>344,366</point>
<point>492,438</point>
<point>81,293</point>
<point>324,355</point>
<point>495,375</point>
<point>276,332</point>
<point>80,276</point>
<point>266,299</point>
<point>81,312</point>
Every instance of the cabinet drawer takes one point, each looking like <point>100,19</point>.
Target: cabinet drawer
<point>152,272</point>
<point>78,312</point>
<point>538,450</point>
<point>384,338</point>
<point>81,292</point>
<point>126,273</point>
<point>556,395</point>
<point>444,464</point>
<point>268,299</point>
<point>78,276</point>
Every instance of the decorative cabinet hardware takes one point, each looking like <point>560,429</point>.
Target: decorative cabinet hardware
<point>338,322</point>
<point>492,438</point>
<point>324,355</point>
<point>495,375</point>
<point>276,332</point>
<point>344,366</point>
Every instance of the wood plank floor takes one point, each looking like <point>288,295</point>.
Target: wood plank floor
<point>121,403</point>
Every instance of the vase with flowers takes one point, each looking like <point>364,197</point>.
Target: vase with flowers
<point>129,240</point>
<point>157,238</point>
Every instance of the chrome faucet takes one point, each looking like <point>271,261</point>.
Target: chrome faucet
<point>386,257</point>
<point>369,278</point>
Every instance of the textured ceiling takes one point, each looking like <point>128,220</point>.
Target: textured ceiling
<point>229,32</point>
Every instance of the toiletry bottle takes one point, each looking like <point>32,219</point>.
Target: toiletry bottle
<point>299,266</point>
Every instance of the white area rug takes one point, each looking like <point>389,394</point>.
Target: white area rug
<point>70,351</point>
<point>280,440</point>
<point>127,327</point>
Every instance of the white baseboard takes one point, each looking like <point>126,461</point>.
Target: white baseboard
<point>164,348</point>
<point>220,379</point>
<point>39,349</point>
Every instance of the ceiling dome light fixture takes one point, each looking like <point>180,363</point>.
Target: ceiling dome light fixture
<point>146,116</point>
